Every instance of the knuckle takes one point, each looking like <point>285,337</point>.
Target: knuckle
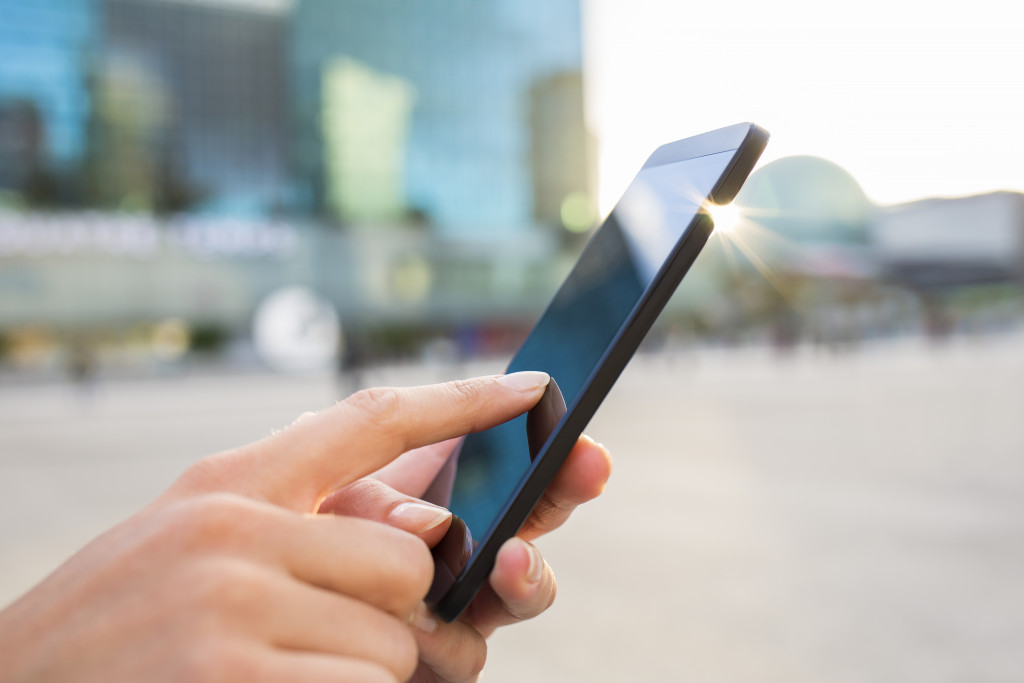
<point>228,586</point>
<point>549,513</point>
<point>380,406</point>
<point>366,489</point>
<point>358,499</point>
<point>463,390</point>
<point>405,572</point>
<point>238,586</point>
<point>401,570</point>
<point>461,652</point>
<point>416,567</point>
<point>212,473</point>
<point>219,520</point>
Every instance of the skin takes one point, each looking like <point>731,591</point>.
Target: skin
<point>301,557</point>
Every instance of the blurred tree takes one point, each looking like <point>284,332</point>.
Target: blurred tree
<point>22,154</point>
<point>209,338</point>
<point>129,162</point>
<point>561,155</point>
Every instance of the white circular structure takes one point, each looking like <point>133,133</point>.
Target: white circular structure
<point>297,330</point>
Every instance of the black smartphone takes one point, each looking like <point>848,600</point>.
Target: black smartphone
<point>622,280</point>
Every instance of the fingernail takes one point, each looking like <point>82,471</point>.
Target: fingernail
<point>422,619</point>
<point>526,382</point>
<point>536,568</point>
<point>418,518</point>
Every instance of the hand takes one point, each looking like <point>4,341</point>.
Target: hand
<point>521,585</point>
<point>229,577</point>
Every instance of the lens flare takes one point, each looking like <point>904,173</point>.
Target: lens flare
<point>743,236</point>
<point>726,217</point>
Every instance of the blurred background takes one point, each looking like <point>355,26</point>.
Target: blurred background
<point>216,215</point>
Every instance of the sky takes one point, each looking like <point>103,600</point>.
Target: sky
<point>915,99</point>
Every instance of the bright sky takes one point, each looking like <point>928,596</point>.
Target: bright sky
<point>914,98</point>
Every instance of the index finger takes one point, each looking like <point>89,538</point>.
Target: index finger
<point>299,466</point>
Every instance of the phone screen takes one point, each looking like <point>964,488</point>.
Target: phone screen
<point>619,265</point>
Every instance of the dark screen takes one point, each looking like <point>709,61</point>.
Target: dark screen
<point>618,265</point>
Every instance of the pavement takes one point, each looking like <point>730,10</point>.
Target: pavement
<point>840,517</point>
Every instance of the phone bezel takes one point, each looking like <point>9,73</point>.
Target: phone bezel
<point>748,140</point>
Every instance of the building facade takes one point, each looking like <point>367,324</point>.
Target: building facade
<point>45,49</point>
<point>944,243</point>
<point>194,94</point>
<point>426,106</point>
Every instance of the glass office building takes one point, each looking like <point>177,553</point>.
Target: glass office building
<point>145,104</point>
<point>45,48</point>
<point>464,115</point>
<point>439,111</point>
<point>197,93</point>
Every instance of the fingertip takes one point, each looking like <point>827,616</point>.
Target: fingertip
<point>585,473</point>
<point>522,580</point>
<point>527,382</point>
<point>608,463</point>
<point>514,556</point>
<point>606,455</point>
<point>429,522</point>
<point>434,536</point>
<point>512,567</point>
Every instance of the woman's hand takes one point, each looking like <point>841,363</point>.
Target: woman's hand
<point>230,577</point>
<point>521,585</point>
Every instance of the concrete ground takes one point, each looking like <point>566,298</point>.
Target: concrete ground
<point>820,517</point>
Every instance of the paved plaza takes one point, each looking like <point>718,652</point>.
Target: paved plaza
<point>854,517</point>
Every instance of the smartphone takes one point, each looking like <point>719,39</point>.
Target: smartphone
<point>624,277</point>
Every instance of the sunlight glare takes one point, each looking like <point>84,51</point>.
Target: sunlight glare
<point>725,216</point>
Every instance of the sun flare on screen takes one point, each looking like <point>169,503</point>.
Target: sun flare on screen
<point>726,217</point>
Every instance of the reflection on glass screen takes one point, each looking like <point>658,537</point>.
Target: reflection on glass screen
<point>586,315</point>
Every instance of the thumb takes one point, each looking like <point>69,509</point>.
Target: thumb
<point>372,499</point>
<point>299,466</point>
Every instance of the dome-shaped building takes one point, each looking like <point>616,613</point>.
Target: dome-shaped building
<point>807,201</point>
<point>797,261</point>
